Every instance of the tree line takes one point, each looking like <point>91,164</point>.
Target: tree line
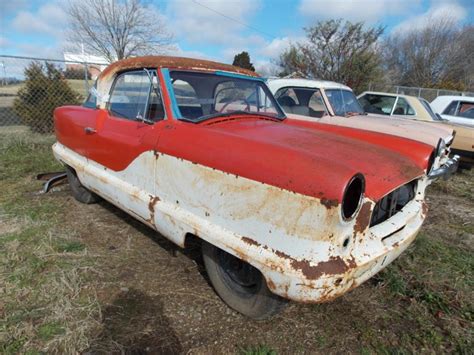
<point>438,55</point>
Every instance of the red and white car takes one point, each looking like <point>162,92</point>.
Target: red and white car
<point>195,148</point>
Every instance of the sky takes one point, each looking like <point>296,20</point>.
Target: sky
<point>219,29</point>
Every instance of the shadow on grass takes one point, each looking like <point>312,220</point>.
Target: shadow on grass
<point>135,324</point>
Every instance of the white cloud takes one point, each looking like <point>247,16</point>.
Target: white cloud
<point>198,24</point>
<point>266,68</point>
<point>49,19</point>
<point>179,52</point>
<point>356,10</point>
<point>4,42</point>
<point>440,11</point>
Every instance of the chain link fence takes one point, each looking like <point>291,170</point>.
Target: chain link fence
<point>30,89</point>
<point>425,93</point>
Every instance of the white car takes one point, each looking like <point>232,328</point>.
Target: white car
<point>458,109</point>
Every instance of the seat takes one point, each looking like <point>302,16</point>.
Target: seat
<point>399,111</point>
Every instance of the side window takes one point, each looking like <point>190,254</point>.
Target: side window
<point>403,108</point>
<point>156,110</point>
<point>465,109</point>
<point>286,97</point>
<point>451,109</point>
<point>91,100</point>
<point>129,95</point>
<point>377,104</point>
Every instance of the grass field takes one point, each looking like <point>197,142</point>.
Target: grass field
<point>88,278</point>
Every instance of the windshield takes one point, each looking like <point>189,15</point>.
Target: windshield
<point>201,96</point>
<point>344,102</point>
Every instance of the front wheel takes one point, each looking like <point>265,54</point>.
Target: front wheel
<point>239,284</point>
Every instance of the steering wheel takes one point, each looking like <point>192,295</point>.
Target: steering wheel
<point>247,108</point>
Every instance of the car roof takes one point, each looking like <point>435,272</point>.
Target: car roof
<point>449,98</point>
<point>171,62</point>
<point>276,84</point>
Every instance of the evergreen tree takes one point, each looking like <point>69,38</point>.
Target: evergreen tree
<point>45,89</point>
<point>242,60</point>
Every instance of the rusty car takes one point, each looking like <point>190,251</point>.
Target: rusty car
<point>335,104</point>
<point>201,150</point>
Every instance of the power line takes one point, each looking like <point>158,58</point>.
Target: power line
<point>235,20</point>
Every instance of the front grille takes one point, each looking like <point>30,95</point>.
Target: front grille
<point>393,203</point>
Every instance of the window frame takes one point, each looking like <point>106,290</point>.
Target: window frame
<point>395,105</point>
<point>145,117</point>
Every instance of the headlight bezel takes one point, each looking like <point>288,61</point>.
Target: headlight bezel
<point>353,196</point>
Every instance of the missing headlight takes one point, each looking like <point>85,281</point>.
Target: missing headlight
<point>353,196</point>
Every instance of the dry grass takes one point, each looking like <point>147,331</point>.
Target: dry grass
<point>77,278</point>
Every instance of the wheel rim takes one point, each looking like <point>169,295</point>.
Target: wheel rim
<point>239,275</point>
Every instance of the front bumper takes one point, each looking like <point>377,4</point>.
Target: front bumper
<point>381,245</point>
<point>446,170</point>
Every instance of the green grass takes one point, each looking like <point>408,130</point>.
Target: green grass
<point>45,309</point>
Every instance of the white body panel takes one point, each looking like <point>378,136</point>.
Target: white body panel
<point>294,240</point>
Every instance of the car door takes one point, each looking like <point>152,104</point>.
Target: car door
<point>126,135</point>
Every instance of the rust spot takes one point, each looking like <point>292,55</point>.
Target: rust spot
<point>363,218</point>
<point>424,208</point>
<point>250,241</point>
<point>151,207</point>
<point>334,266</point>
<point>170,62</point>
<point>329,203</point>
<point>271,285</point>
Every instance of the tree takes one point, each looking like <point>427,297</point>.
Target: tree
<point>117,29</point>
<point>345,53</point>
<point>438,55</point>
<point>45,89</point>
<point>77,73</point>
<point>242,60</point>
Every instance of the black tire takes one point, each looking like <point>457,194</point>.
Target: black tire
<point>239,284</point>
<point>79,192</point>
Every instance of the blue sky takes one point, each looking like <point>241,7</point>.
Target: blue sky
<point>218,29</point>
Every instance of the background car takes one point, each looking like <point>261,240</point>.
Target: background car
<point>415,108</point>
<point>458,109</point>
<point>335,104</point>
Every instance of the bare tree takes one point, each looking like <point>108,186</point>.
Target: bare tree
<point>117,29</point>
<point>345,53</point>
<point>437,55</point>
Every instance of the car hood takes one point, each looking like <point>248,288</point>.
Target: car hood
<point>307,161</point>
<point>399,127</point>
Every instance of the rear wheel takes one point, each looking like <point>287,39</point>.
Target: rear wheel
<point>239,284</point>
<point>79,192</point>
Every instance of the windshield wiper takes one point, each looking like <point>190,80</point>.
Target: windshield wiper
<point>227,114</point>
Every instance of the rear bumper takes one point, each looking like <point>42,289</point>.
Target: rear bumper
<point>467,157</point>
<point>447,169</point>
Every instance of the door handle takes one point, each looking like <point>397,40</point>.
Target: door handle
<point>89,130</point>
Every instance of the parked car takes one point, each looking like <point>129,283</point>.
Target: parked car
<point>414,108</point>
<point>198,149</point>
<point>335,104</point>
<point>457,109</point>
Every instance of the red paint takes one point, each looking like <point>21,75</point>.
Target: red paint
<point>304,157</point>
